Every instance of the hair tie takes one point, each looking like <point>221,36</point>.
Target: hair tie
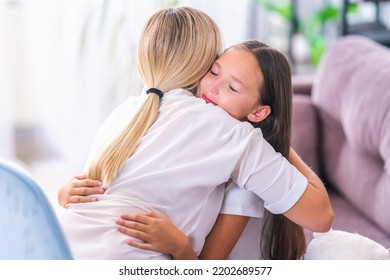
<point>155,91</point>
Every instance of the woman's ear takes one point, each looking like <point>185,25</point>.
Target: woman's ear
<point>259,114</point>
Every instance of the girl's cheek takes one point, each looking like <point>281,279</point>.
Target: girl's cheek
<point>202,87</point>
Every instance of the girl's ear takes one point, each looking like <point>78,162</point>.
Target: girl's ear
<point>259,114</point>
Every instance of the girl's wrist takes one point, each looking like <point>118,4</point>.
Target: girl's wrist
<point>184,251</point>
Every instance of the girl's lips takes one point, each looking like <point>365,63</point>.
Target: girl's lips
<point>205,98</point>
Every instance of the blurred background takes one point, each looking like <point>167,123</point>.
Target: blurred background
<point>65,65</point>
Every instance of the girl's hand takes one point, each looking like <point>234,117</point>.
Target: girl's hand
<point>77,189</point>
<point>157,233</point>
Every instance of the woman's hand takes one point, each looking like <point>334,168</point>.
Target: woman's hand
<point>77,189</point>
<point>157,233</point>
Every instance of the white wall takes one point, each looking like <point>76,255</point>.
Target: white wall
<point>6,101</point>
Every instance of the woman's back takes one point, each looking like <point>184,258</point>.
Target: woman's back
<point>174,172</point>
<point>191,149</point>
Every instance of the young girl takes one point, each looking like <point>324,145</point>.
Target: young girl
<point>177,151</point>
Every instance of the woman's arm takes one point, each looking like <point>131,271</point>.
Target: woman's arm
<point>77,191</point>
<point>313,210</point>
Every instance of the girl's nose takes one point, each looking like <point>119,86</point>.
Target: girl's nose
<point>214,87</point>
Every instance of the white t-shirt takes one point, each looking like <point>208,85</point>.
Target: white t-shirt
<point>177,171</point>
<point>238,201</point>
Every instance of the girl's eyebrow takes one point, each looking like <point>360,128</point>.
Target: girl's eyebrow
<point>216,64</point>
<point>237,80</point>
<point>233,77</point>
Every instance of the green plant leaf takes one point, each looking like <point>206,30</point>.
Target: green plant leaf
<point>312,27</point>
<point>284,10</point>
<point>318,45</point>
<point>352,8</point>
<point>328,13</point>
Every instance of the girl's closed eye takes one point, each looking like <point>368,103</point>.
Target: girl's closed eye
<point>232,88</point>
<point>214,70</point>
<point>213,73</point>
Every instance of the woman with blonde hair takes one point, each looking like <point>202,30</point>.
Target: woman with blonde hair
<point>172,152</point>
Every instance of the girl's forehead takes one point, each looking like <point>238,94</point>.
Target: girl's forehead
<point>242,64</point>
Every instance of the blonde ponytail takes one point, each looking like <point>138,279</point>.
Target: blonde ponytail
<point>112,159</point>
<point>176,49</point>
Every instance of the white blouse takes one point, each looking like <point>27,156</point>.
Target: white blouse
<point>177,171</point>
<point>238,201</point>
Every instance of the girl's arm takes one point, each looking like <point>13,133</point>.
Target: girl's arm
<point>223,237</point>
<point>313,210</point>
<point>157,233</point>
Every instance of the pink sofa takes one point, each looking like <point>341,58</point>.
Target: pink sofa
<point>341,128</point>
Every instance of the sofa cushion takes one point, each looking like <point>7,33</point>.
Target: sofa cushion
<point>351,91</point>
<point>304,135</point>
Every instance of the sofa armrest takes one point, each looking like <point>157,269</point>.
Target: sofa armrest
<point>302,84</point>
<point>305,131</point>
<point>351,92</point>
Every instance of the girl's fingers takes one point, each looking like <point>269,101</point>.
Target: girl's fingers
<point>86,183</point>
<point>81,176</point>
<point>81,199</point>
<point>152,214</point>
<point>131,225</point>
<point>134,233</point>
<point>140,245</point>
<point>140,218</point>
<point>82,191</point>
<point>68,205</point>
<point>73,191</point>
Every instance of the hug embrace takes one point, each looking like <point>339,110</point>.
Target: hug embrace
<point>199,165</point>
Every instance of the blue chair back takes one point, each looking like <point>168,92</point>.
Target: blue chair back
<point>29,228</point>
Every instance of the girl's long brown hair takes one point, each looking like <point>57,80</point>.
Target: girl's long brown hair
<point>284,240</point>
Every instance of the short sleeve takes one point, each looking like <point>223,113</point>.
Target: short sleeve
<point>269,175</point>
<point>238,201</point>
<point>290,198</point>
